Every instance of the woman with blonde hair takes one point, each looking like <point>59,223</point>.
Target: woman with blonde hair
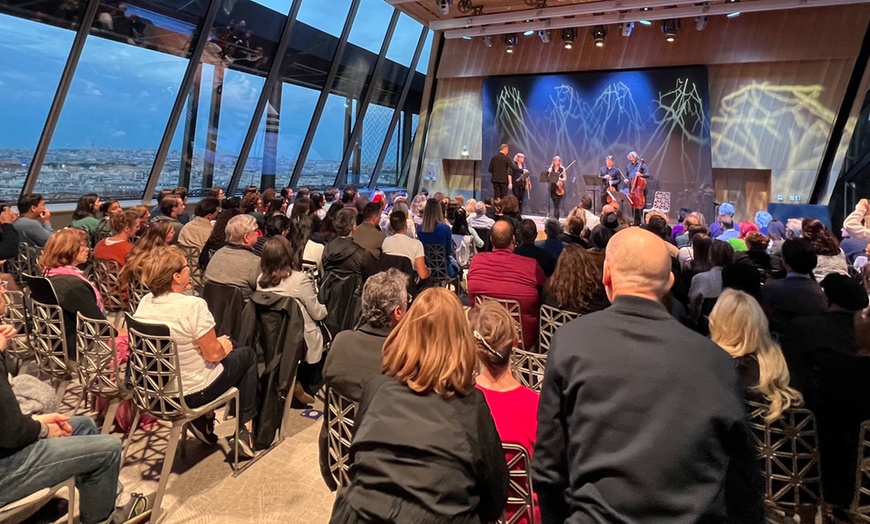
<point>425,447</point>
<point>738,325</point>
<point>160,233</point>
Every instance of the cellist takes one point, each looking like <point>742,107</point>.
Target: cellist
<point>636,166</point>
<point>611,176</point>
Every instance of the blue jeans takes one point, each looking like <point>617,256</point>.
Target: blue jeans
<point>94,460</point>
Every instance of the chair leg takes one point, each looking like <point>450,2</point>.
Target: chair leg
<point>236,439</point>
<point>109,420</point>
<point>70,512</point>
<point>171,447</point>
<point>60,390</point>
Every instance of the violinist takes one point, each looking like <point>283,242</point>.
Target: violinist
<point>636,166</point>
<point>517,183</point>
<point>611,176</point>
<point>557,189</point>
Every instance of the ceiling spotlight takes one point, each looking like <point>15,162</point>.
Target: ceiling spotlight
<point>701,23</point>
<point>444,6</point>
<point>466,37</point>
<point>544,36</point>
<point>528,33</point>
<point>670,27</point>
<point>598,35</point>
<point>568,36</point>
<point>627,28</point>
<point>734,14</point>
<point>510,41</point>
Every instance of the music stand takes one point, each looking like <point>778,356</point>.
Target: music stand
<point>624,204</point>
<point>593,184</point>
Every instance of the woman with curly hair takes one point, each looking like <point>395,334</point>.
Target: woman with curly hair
<point>252,204</point>
<point>576,283</point>
<point>832,259</point>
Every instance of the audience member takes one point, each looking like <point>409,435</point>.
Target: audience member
<point>726,209</point>
<point>218,237</point>
<point>658,226</point>
<point>575,228</point>
<point>276,225</point>
<point>425,409</point>
<point>34,221</point>
<point>367,233</point>
<point>84,216</point>
<point>726,226</point>
<point>327,228</point>
<point>144,220</point>
<point>576,283</point>
<point>317,204</point>
<point>505,275</point>
<point>692,219</point>
<point>467,234</point>
<point>686,253</point>
<point>117,247</point>
<point>852,247</point>
<point>742,277</point>
<point>400,244</point>
<point>197,232</point>
<point>776,234</point>
<point>599,237</point>
<point>108,208</point>
<point>584,210</point>
<point>607,448</point>
<point>434,231</point>
<point>252,204</point>
<point>681,226</point>
<point>528,249</point>
<point>857,223</point>
<point>171,207</point>
<point>797,294</point>
<point>181,192</point>
<point>707,286</point>
<point>342,254</point>
<point>156,236</point>
<point>300,236</point>
<point>831,259</point>
<point>9,239</point>
<point>756,253</point>
<point>480,220</point>
<point>762,220</point>
<point>553,243</point>
<point>216,192</point>
<point>235,264</point>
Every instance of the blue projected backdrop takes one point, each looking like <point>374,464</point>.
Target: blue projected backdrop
<point>663,114</point>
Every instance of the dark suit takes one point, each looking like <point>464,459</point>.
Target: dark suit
<point>642,421</point>
<point>791,297</point>
<point>500,166</point>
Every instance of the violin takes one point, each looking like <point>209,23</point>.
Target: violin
<point>560,185</point>
<point>636,198</point>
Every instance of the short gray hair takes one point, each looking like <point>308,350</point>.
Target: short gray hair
<point>382,294</point>
<point>480,208</point>
<point>238,227</point>
<point>343,221</point>
<point>632,154</point>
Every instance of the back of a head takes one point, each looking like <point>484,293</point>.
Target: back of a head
<point>348,196</point>
<point>370,211</point>
<point>820,238</point>
<point>206,207</point>
<point>123,220</point>
<point>432,348</point>
<point>658,226</point>
<point>799,256</point>
<point>610,221</point>
<point>479,208</point>
<point>586,202</point>
<point>576,225</point>
<point>576,280</point>
<point>742,277</point>
<point>275,262</point>
<point>600,236</point>
<point>693,231</point>
<point>494,336</point>
<point>160,268</point>
<point>552,228</point>
<point>684,212</point>
<point>747,227</point>
<point>502,234</point>
<point>721,254</point>
<point>276,225</point>
<point>844,292</point>
<point>238,227</point>
<point>510,205</point>
<point>432,215</point>
<point>302,206</point>
<point>62,248</point>
<point>726,221</point>
<point>638,263</point>
<point>398,221</point>
<point>85,206</point>
<point>382,293</point>
<point>344,221</point>
<point>755,241</point>
<point>701,246</point>
<point>776,230</point>
<point>169,203</point>
<point>180,191</point>
<point>528,231</point>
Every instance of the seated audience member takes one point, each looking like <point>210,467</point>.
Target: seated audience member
<point>613,220</point>
<point>708,284</point>
<point>235,264</point>
<point>762,220</point>
<point>738,325</point>
<point>467,234</point>
<point>797,294</point>
<point>317,203</point>
<point>197,232</point>
<point>584,210</point>
<point>598,239</point>
<point>692,219</point>
<point>831,259</point>
<point>108,208</point>
<point>399,205</point>
<point>276,206</point>
<point>84,216</point>
<point>852,247</point>
<point>252,204</point>
<point>156,212</point>
<point>857,223</point>
<point>65,250</point>
<point>493,207</point>
<point>281,273</point>
<point>367,234</point>
<point>276,226</point>
<point>181,192</point>
<point>327,228</point>
<point>433,230</point>
<point>576,283</point>
<point>742,277</point>
<point>681,226</point>
<point>216,192</point>
<point>425,409</point>
<point>171,207</point>
<point>503,274</point>
<point>9,239</point>
<point>514,407</point>
<point>745,227</point>
<point>594,460</point>
<point>34,222</point>
<point>510,210</point>
<point>144,219</point>
<point>686,253</point>
<point>218,237</point>
<point>117,247</point>
<point>342,254</point>
<point>575,228</point>
<point>553,244</point>
<point>300,236</point>
<point>209,364</point>
<point>658,226</point>
<point>727,228</point>
<point>806,337</point>
<point>528,249</point>
<point>400,244</point>
<point>776,233</point>
<point>159,234</point>
<point>756,255</point>
<point>480,220</point>
<point>726,212</point>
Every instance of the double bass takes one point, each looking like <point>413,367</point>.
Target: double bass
<point>638,186</point>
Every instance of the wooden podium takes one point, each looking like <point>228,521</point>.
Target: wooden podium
<point>462,174</point>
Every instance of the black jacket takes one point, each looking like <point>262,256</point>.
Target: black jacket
<point>74,295</point>
<point>17,431</point>
<point>541,255</point>
<point>346,266</point>
<point>500,166</point>
<point>274,326</point>
<point>8,242</point>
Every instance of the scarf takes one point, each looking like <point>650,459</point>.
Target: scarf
<point>76,272</point>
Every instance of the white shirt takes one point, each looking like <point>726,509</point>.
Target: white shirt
<point>480,221</point>
<point>403,246</point>
<point>188,320</point>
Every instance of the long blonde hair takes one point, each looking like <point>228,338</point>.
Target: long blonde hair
<point>738,325</point>
<point>432,348</point>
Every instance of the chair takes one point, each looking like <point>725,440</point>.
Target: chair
<point>485,234</point>
<point>528,368</point>
<point>36,500</point>
<point>98,368</point>
<point>226,304</point>
<point>662,201</point>
<point>49,334</point>
<point>860,509</point>
<point>340,413</point>
<point>520,501</point>
<point>512,307</point>
<point>135,291</point>
<point>437,262</point>
<point>197,274</point>
<point>402,264</point>
<point>789,450</point>
<point>19,346</point>
<point>27,259</point>
<point>155,378</point>
<point>551,319</point>
<point>14,267</point>
<point>109,285</point>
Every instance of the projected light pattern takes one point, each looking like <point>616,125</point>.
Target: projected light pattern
<point>683,118</point>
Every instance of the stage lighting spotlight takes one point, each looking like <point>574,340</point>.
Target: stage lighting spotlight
<point>487,40</point>
<point>701,23</point>
<point>510,41</point>
<point>670,27</point>
<point>733,14</point>
<point>528,33</point>
<point>568,36</point>
<point>466,37</point>
<point>598,35</point>
<point>627,28</point>
<point>645,22</point>
<point>444,6</point>
<point>545,36</point>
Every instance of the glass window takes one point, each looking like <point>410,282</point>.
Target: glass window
<point>375,125</point>
<point>34,55</point>
<point>326,16</point>
<point>328,145</point>
<point>389,169</point>
<point>281,6</point>
<point>423,63</point>
<point>404,41</point>
<point>65,14</point>
<point>112,121</point>
<point>370,25</point>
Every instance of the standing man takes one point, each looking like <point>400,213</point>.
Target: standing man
<point>519,187</point>
<point>651,430</point>
<point>610,175</point>
<point>500,167</point>
<point>636,166</point>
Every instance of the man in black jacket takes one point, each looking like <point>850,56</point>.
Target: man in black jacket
<point>641,419</point>
<point>528,233</point>
<point>500,166</point>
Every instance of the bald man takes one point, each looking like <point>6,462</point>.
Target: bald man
<point>640,418</point>
<point>504,274</point>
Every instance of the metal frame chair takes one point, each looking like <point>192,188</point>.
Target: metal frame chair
<point>551,319</point>
<point>860,508</point>
<point>135,291</point>
<point>340,413</point>
<point>38,499</point>
<point>520,498</point>
<point>16,312</point>
<point>513,308</point>
<point>106,275</point>
<point>155,379</point>
<point>437,261</point>
<point>528,368</point>
<point>15,268</point>
<point>197,275</point>
<point>27,259</point>
<point>789,450</point>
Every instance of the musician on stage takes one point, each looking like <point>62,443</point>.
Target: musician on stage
<point>557,187</point>
<point>636,166</point>
<point>500,167</point>
<point>610,175</point>
<point>519,187</point>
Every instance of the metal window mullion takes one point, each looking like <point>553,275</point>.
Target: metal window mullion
<point>265,94</point>
<point>66,78</point>
<point>366,99</point>
<point>181,98</point>
<point>324,94</point>
<point>376,172</point>
<point>424,122</point>
<point>187,151</point>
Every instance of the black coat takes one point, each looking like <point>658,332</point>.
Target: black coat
<point>501,166</point>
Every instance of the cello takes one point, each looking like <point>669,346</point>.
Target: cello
<point>638,186</point>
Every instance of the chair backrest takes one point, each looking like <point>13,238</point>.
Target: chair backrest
<point>789,450</point>
<point>98,368</point>
<point>109,285</point>
<point>136,289</point>
<point>485,234</point>
<point>404,265</point>
<point>226,304</point>
<point>520,502</point>
<point>341,293</point>
<point>860,509</point>
<point>436,261</point>
<point>27,259</point>
<point>15,268</point>
<point>340,415</point>
<point>16,315</point>
<point>49,339</point>
<point>153,369</point>
<point>528,368</point>
<point>551,319</point>
<point>197,273</point>
<point>512,307</point>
